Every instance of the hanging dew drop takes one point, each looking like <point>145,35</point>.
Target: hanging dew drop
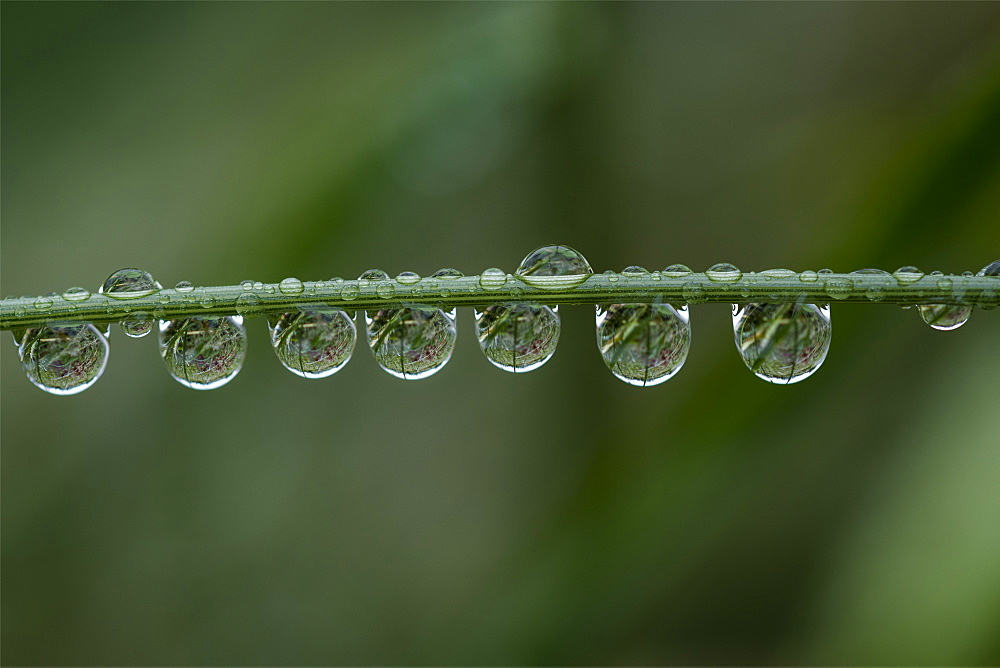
<point>723,273</point>
<point>291,286</point>
<point>643,344</point>
<point>945,317</point>
<point>63,360</point>
<point>492,279</point>
<point>203,352</point>
<point>782,343</point>
<point>517,337</point>
<point>413,342</point>
<point>313,343</point>
<point>137,325</point>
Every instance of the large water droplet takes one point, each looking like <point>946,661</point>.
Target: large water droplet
<point>643,344</point>
<point>63,359</point>
<point>203,352</point>
<point>413,342</point>
<point>517,337</point>
<point>554,267</point>
<point>782,343</point>
<point>290,286</point>
<point>724,273</point>
<point>129,284</point>
<point>945,317</point>
<point>313,343</point>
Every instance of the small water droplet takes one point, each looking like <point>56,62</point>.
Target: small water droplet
<point>656,276</point>
<point>408,278</point>
<point>677,271</point>
<point>634,271</point>
<point>207,301</point>
<point>185,286</point>
<point>258,285</point>
<point>517,337</point>
<point>693,293</point>
<point>164,298</point>
<point>492,279</point>
<point>809,276</point>
<point>945,317</point>
<point>643,344</point>
<point>778,273</point>
<point>129,284</point>
<point>137,325</point>
<point>611,276</point>
<point>203,352</point>
<point>374,275</point>
<point>839,288</point>
<point>724,273</point>
<point>43,303</point>
<point>554,268</point>
<point>269,289</point>
<point>413,342</point>
<point>76,295</point>
<point>247,285</point>
<point>313,343</point>
<point>447,274</point>
<point>61,359</point>
<point>248,304</point>
<point>385,290</point>
<point>782,343</point>
<point>291,286</point>
<point>907,275</point>
<point>945,283</point>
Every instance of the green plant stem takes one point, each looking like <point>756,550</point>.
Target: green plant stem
<point>695,288</point>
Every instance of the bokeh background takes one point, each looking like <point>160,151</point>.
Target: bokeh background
<point>558,517</point>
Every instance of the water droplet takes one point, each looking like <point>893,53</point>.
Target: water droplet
<point>374,275</point>
<point>554,267</point>
<point>313,343</point>
<point>248,304</point>
<point>63,359</point>
<point>656,276</point>
<point>693,293</point>
<point>203,352</point>
<point>137,325</point>
<point>185,286</point>
<point>43,303</point>
<point>643,344</point>
<point>385,290</point>
<point>839,288</point>
<point>76,295</point>
<point>611,276</point>
<point>447,274</point>
<point>258,285</point>
<point>517,337</point>
<point>677,271</point>
<point>163,298</point>
<point>207,301</point>
<point>782,343</point>
<point>634,271</point>
<point>907,275</point>
<point>870,272</point>
<point>413,342</point>
<point>724,273</point>
<point>808,276</point>
<point>291,286</point>
<point>987,299</point>
<point>408,278</point>
<point>992,269</point>
<point>350,292</point>
<point>825,272</point>
<point>779,273</point>
<point>945,317</point>
<point>129,284</point>
<point>945,283</point>
<point>247,285</point>
<point>492,279</point>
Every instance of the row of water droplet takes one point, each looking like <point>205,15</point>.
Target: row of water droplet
<point>642,344</point>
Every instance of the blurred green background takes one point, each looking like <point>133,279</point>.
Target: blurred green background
<point>476,516</point>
